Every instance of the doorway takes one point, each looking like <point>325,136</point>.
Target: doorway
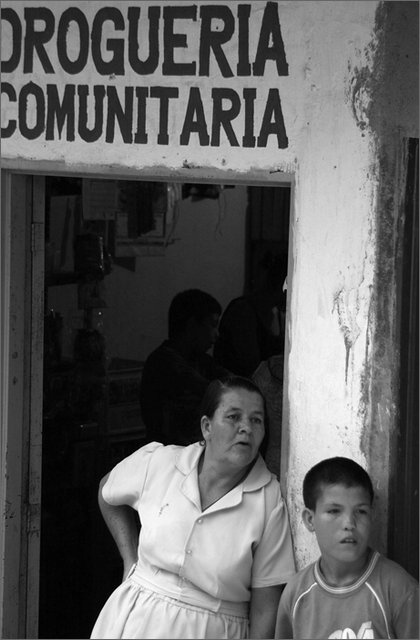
<point>116,252</point>
<point>404,503</point>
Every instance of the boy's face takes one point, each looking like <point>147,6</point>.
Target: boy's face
<point>342,523</point>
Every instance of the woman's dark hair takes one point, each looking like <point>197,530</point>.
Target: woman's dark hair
<point>192,303</point>
<point>334,471</point>
<point>217,389</point>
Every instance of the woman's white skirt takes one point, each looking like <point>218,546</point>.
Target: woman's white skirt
<point>133,611</point>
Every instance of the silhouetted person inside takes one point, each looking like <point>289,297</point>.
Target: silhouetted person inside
<point>177,373</point>
<point>252,326</point>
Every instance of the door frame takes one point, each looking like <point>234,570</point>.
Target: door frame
<point>403,526</point>
<point>34,456</point>
<point>21,324</point>
<point>22,263</point>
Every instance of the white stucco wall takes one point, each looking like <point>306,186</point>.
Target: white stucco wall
<point>332,154</point>
<point>315,82</point>
<point>333,253</point>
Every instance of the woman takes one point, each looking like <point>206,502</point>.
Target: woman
<point>215,545</point>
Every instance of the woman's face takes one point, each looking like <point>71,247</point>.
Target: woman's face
<point>236,430</point>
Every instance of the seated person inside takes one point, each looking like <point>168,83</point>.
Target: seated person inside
<point>178,372</point>
<point>252,326</point>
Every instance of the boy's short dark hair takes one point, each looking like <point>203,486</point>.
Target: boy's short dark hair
<point>192,303</point>
<point>334,471</point>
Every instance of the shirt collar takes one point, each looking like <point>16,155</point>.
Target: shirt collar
<point>351,587</point>
<point>187,459</point>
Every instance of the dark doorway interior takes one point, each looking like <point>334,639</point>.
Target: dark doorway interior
<point>404,507</point>
<point>91,412</point>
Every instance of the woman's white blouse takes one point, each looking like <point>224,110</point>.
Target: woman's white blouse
<point>242,541</point>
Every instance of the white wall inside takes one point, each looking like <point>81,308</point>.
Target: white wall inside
<point>207,252</point>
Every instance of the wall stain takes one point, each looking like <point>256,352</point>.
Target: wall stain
<point>359,96</point>
<point>347,324</point>
<point>9,513</point>
<point>364,80</point>
<point>382,95</point>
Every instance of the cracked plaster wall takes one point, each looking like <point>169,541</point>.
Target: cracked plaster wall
<point>344,118</point>
<point>342,370</point>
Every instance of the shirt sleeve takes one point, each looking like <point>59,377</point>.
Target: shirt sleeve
<point>274,560</point>
<point>284,626</point>
<point>126,480</point>
<point>406,623</point>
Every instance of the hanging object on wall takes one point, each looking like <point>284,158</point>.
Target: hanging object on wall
<point>92,263</point>
<point>90,256</point>
<point>64,213</point>
<point>174,190</point>
<point>200,191</point>
<point>137,203</point>
<point>141,220</point>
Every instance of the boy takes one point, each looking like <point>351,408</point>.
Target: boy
<point>351,591</point>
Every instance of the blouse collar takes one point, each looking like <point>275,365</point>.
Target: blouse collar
<point>187,460</point>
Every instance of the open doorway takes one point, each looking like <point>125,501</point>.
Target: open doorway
<point>116,252</point>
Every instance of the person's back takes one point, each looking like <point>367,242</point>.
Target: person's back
<point>170,393</point>
<point>177,373</point>
<point>244,339</point>
<point>251,328</point>
<point>352,591</point>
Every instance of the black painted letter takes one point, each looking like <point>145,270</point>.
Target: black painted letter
<point>7,66</point>
<point>9,91</point>
<point>95,132</point>
<point>222,118</point>
<point>195,121</point>
<point>148,66</point>
<point>39,111</point>
<point>214,39</point>
<point>116,64</point>
<point>273,107</point>
<point>116,111</point>
<point>35,40</point>
<point>73,15</point>
<point>164,94</point>
<point>60,112</point>
<point>173,40</point>
<point>270,27</point>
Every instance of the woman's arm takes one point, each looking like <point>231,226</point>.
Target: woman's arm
<point>263,611</point>
<point>121,522</point>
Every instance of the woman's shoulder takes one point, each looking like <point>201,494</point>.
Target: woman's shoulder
<point>263,484</point>
<point>159,450</point>
<point>170,454</point>
<point>127,479</point>
<point>144,455</point>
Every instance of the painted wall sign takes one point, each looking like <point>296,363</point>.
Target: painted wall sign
<point>142,74</point>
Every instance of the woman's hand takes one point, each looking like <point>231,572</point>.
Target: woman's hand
<point>128,566</point>
<point>263,611</point>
